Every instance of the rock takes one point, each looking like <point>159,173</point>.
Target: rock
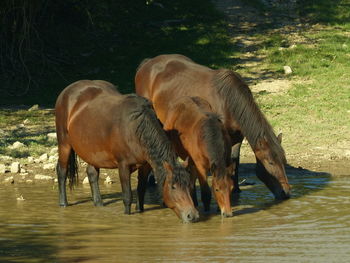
<point>23,170</point>
<point>43,157</point>
<point>20,198</point>
<point>15,167</point>
<point>53,151</point>
<point>53,159</point>
<point>108,180</point>
<point>9,180</point>
<point>287,70</point>
<point>30,159</point>
<point>2,168</point>
<point>86,180</point>
<point>26,121</point>
<point>43,177</point>
<point>5,158</point>
<point>49,166</point>
<point>52,136</point>
<point>29,181</point>
<point>37,160</point>
<point>16,145</point>
<point>34,107</point>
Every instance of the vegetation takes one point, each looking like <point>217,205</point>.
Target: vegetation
<point>49,44</point>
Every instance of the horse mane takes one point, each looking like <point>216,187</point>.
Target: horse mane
<point>218,149</point>
<point>238,98</point>
<point>156,143</point>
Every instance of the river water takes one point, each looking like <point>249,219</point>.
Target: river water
<point>313,226</point>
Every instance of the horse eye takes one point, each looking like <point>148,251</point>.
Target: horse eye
<point>173,187</point>
<point>216,189</point>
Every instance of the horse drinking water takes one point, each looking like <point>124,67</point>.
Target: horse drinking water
<point>167,77</point>
<point>198,133</point>
<point>110,130</point>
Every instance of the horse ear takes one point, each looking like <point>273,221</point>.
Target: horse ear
<point>279,138</point>
<point>185,163</point>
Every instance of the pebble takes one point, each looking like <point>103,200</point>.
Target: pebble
<point>42,177</point>
<point>9,180</point>
<point>52,136</point>
<point>43,157</point>
<point>30,159</point>
<point>287,70</point>
<point>2,168</point>
<point>34,107</point>
<point>16,145</point>
<point>15,167</point>
<point>86,180</point>
<point>49,166</point>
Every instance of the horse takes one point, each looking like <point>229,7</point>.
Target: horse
<point>169,76</point>
<point>109,130</point>
<point>199,134</point>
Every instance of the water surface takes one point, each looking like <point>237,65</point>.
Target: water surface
<point>313,226</point>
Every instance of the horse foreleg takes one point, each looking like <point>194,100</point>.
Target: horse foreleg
<point>124,175</point>
<point>143,172</point>
<point>235,153</point>
<point>194,174</point>
<point>205,189</point>
<point>62,177</point>
<point>93,175</point>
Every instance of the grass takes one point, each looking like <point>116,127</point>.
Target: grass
<point>314,112</point>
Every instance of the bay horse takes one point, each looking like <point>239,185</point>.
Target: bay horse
<point>109,130</point>
<point>199,134</point>
<point>167,77</point>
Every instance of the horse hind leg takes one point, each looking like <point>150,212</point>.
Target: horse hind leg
<point>64,152</point>
<point>93,175</point>
<point>124,176</point>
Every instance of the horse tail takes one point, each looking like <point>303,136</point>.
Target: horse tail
<point>72,172</point>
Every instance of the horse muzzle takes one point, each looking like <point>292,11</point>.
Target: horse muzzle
<point>190,216</point>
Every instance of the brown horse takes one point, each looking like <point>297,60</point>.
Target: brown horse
<point>198,133</point>
<point>110,130</point>
<point>167,77</point>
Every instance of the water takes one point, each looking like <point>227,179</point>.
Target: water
<point>313,226</point>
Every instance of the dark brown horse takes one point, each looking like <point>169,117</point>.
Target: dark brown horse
<point>110,130</point>
<point>167,77</point>
<point>198,133</point>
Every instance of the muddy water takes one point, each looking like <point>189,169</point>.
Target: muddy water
<point>313,226</point>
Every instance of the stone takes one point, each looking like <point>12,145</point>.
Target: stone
<point>5,158</point>
<point>53,159</point>
<point>2,168</point>
<point>49,166</point>
<point>52,136</point>
<point>30,159</point>
<point>43,177</point>
<point>53,151</point>
<point>16,145</point>
<point>15,167</point>
<point>108,180</point>
<point>29,181</point>
<point>287,70</point>
<point>26,121</point>
<point>9,180</point>
<point>43,157</point>
<point>34,107</point>
<point>86,180</point>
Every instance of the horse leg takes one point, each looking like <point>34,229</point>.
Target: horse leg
<point>205,189</point>
<point>64,151</point>
<point>235,153</point>
<point>93,175</point>
<point>193,173</point>
<point>124,175</point>
<point>143,172</point>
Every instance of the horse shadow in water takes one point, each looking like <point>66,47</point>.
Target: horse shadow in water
<point>255,194</point>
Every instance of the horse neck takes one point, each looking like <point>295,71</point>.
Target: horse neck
<point>241,106</point>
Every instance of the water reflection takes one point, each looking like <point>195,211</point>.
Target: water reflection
<point>312,226</point>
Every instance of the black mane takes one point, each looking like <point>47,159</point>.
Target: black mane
<point>240,102</point>
<point>157,145</point>
<point>218,149</point>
